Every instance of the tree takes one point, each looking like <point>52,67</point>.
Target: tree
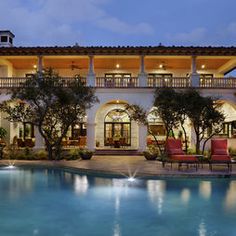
<point>204,114</point>
<point>166,104</point>
<point>51,105</point>
<point>139,114</point>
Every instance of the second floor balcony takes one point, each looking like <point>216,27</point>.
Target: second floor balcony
<point>134,82</point>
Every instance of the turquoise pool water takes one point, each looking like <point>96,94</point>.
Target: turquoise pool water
<point>54,202</point>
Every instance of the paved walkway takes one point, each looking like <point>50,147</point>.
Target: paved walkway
<point>128,166</point>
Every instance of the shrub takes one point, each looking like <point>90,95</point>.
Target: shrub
<point>41,155</point>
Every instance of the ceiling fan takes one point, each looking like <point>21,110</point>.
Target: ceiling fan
<point>163,66</point>
<point>74,66</point>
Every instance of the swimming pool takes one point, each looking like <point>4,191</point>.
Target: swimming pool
<point>56,202</point>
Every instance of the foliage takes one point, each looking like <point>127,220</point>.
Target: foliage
<point>174,108</point>
<point>3,133</point>
<point>139,115</point>
<point>72,154</point>
<point>204,114</point>
<point>45,102</point>
<point>232,151</point>
<point>166,103</point>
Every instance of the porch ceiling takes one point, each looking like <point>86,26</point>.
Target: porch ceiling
<point>125,62</point>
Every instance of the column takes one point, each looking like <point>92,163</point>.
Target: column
<point>142,136</point>
<point>142,77</point>
<point>40,66</point>
<point>91,136</point>
<point>194,76</point>
<point>91,74</point>
<point>39,140</point>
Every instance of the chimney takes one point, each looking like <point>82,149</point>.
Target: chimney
<point>6,38</point>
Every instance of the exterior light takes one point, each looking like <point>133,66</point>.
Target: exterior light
<point>203,66</point>
<point>161,66</point>
<point>117,101</point>
<point>35,66</point>
<point>117,65</point>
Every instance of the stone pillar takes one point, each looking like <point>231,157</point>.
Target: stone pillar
<point>91,136</point>
<point>39,141</point>
<point>194,76</point>
<point>142,136</point>
<point>142,77</point>
<point>91,74</point>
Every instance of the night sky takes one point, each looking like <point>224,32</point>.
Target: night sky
<point>120,22</point>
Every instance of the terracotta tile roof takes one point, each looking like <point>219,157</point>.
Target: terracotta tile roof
<point>120,50</point>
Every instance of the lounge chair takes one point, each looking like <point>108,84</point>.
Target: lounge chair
<point>219,153</point>
<point>175,154</point>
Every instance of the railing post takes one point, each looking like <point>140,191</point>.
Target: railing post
<point>91,77</point>
<point>194,76</point>
<point>142,77</point>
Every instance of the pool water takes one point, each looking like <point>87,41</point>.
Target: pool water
<point>55,202</point>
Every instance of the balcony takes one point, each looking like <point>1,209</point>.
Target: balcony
<point>132,82</point>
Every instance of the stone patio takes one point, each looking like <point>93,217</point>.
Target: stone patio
<point>128,166</point>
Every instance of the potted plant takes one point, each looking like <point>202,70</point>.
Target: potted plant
<point>85,154</point>
<point>151,153</point>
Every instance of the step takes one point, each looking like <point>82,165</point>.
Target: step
<point>117,152</point>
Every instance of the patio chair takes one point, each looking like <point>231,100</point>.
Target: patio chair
<point>219,153</point>
<point>175,154</point>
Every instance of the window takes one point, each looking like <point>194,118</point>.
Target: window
<point>160,75</point>
<point>157,129</point>
<point>10,40</point>
<point>117,79</point>
<point>206,76</point>
<point>4,39</point>
<point>77,130</point>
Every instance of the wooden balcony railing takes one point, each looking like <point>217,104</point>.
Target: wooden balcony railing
<point>229,82</point>
<point>103,82</point>
<point>171,82</point>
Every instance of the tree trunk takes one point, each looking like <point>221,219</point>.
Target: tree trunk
<point>49,150</point>
<point>197,144</point>
<point>185,138</point>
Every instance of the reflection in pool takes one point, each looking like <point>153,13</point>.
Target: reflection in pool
<point>56,202</point>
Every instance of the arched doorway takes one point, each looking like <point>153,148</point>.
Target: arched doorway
<point>117,128</point>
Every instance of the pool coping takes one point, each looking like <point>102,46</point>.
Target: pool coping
<point>70,166</point>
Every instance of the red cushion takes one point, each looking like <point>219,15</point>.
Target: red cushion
<point>219,147</point>
<point>184,158</point>
<point>220,152</point>
<point>220,158</point>
<point>173,144</point>
<point>175,151</point>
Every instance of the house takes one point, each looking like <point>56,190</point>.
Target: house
<point>122,75</point>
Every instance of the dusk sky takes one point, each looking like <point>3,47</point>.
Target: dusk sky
<point>120,22</point>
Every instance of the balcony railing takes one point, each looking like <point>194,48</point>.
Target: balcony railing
<point>218,82</point>
<point>129,82</point>
<point>16,82</point>
<point>132,82</point>
<point>171,82</point>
